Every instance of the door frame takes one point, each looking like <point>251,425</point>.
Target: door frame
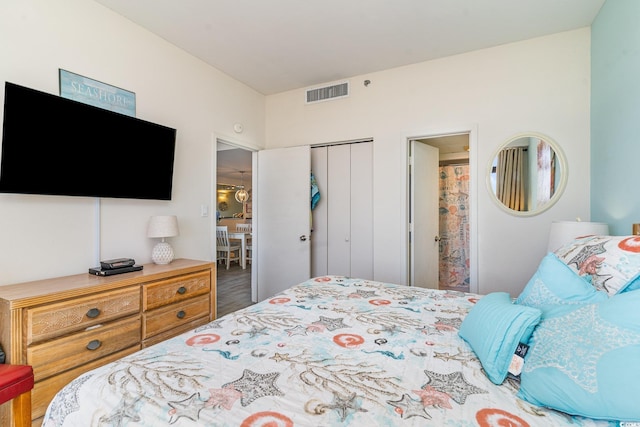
<point>244,145</point>
<point>472,130</point>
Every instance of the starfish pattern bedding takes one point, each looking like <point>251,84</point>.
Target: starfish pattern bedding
<point>332,351</point>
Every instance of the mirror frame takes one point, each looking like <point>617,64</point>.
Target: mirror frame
<point>564,175</point>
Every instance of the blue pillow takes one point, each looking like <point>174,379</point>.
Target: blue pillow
<point>633,285</point>
<point>556,286</point>
<point>584,361</point>
<point>493,328</point>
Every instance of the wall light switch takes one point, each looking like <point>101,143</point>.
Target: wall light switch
<point>204,210</point>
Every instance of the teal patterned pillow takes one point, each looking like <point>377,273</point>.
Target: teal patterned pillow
<point>609,263</point>
<point>556,285</point>
<point>584,361</point>
<point>493,328</point>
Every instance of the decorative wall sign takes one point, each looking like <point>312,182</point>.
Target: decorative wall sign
<point>92,92</point>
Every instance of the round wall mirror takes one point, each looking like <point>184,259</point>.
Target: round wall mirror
<point>527,174</point>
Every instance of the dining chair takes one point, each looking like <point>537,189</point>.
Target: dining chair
<point>249,255</point>
<point>243,227</point>
<point>246,228</point>
<point>225,247</point>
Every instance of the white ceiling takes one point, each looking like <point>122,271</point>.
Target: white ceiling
<point>233,165</point>
<point>279,45</point>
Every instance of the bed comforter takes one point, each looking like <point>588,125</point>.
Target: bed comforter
<point>332,351</point>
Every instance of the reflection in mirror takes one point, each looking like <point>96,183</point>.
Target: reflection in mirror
<point>528,174</point>
<point>228,206</point>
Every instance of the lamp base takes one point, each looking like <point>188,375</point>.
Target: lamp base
<point>162,253</point>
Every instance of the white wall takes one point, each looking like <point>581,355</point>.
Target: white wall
<point>537,85</point>
<point>47,236</point>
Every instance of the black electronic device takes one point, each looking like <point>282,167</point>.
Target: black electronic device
<point>112,264</point>
<point>57,146</point>
<point>97,271</point>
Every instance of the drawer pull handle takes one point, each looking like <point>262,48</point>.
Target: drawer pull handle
<point>181,314</point>
<point>93,313</point>
<point>182,290</point>
<point>94,345</point>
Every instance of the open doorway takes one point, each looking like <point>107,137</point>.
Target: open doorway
<point>233,175</point>
<point>440,214</point>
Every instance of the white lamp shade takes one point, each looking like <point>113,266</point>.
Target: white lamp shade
<point>163,226</point>
<point>563,232</point>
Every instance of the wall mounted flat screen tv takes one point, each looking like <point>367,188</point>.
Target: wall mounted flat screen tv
<point>56,146</point>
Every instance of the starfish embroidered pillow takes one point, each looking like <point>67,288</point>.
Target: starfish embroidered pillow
<point>556,286</point>
<point>610,263</point>
<point>584,362</point>
<point>493,328</point>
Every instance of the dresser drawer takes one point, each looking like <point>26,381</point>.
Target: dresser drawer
<point>175,331</point>
<point>82,347</point>
<point>174,316</point>
<point>54,320</point>
<point>176,289</point>
<point>42,394</point>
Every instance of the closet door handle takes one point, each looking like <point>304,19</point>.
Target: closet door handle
<point>437,238</point>
<point>303,238</point>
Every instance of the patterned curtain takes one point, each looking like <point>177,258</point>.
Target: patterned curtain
<point>510,178</point>
<point>454,227</point>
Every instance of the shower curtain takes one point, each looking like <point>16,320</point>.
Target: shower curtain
<point>454,227</point>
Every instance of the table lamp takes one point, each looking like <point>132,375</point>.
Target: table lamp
<point>563,232</point>
<point>162,227</point>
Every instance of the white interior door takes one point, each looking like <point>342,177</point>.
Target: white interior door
<point>424,221</point>
<point>319,244</point>
<point>281,215</point>
<point>342,237</point>
<point>362,210</point>
<point>339,210</point>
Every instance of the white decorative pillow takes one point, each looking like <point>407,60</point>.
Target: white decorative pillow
<point>609,263</point>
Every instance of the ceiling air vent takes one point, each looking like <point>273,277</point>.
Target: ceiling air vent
<point>335,91</point>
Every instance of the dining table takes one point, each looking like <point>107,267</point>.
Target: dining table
<point>244,237</point>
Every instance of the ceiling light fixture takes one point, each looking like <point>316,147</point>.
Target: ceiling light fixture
<point>241,195</point>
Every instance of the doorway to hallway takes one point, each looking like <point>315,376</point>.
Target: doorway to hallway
<point>234,170</point>
<point>439,212</point>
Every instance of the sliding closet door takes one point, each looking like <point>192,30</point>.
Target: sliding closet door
<point>342,242</point>
<point>362,210</point>
<point>339,210</point>
<point>319,214</point>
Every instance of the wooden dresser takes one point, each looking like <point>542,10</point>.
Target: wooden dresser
<point>68,325</point>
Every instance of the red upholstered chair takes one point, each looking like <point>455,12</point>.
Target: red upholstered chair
<point>16,382</point>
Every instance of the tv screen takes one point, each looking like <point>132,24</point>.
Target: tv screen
<point>56,146</point>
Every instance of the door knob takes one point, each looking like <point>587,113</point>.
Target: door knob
<point>437,238</point>
<point>303,238</point>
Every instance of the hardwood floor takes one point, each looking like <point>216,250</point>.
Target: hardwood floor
<point>233,288</point>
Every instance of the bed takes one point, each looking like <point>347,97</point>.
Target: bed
<point>333,351</point>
